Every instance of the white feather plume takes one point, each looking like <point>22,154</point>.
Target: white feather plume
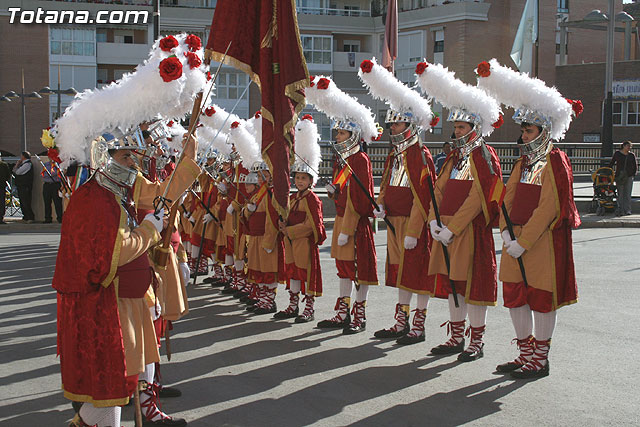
<point>214,119</point>
<point>384,86</point>
<point>245,143</point>
<point>439,83</point>
<point>518,90</point>
<point>306,145</point>
<point>339,106</point>
<point>138,96</point>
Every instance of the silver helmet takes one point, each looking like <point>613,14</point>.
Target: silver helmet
<point>302,167</point>
<point>111,174</point>
<point>542,145</point>
<point>408,137</point>
<point>472,139</point>
<point>250,178</point>
<point>352,144</point>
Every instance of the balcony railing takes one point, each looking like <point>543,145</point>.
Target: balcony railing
<point>333,12</point>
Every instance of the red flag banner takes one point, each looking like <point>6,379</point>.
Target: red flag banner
<point>265,43</point>
<point>342,177</point>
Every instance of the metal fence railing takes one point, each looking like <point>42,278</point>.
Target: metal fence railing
<point>585,157</point>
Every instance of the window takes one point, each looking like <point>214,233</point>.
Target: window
<point>102,75</point>
<point>317,49</point>
<point>633,113</point>
<point>563,6</point>
<point>438,45</point>
<point>617,113</point>
<point>72,41</point>
<point>101,36</point>
<point>351,46</point>
<point>410,48</point>
<point>230,85</point>
<point>352,10</point>
<point>123,36</point>
<point>321,120</point>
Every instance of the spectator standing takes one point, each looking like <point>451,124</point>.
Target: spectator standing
<point>440,158</point>
<point>626,167</point>
<point>5,176</point>
<point>50,190</point>
<point>23,171</point>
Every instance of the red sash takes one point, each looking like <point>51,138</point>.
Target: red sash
<point>134,278</point>
<point>296,217</point>
<point>398,201</point>
<point>525,202</point>
<point>456,192</point>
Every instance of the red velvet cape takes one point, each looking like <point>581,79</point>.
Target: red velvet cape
<point>92,361</point>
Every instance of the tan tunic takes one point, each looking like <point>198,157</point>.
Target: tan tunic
<point>258,258</point>
<point>345,224</point>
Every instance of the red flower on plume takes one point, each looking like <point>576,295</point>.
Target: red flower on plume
<point>258,114</point>
<point>170,69</point>
<point>576,105</point>
<point>483,69</point>
<point>199,125</point>
<point>53,154</point>
<point>170,123</point>
<point>193,59</point>
<point>323,83</point>
<point>366,66</point>
<point>210,111</point>
<point>434,121</point>
<point>208,75</point>
<point>235,125</point>
<point>193,42</point>
<point>311,83</point>
<point>168,43</point>
<point>421,67</point>
<point>498,122</point>
<point>308,117</point>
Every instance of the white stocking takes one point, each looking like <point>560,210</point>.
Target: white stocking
<point>149,372</point>
<point>345,287</point>
<point>294,286</point>
<point>404,297</point>
<point>522,321</point>
<point>102,417</point>
<point>361,294</point>
<point>238,265</point>
<point>423,302</point>
<point>545,324</point>
<point>460,313</point>
<point>477,315</point>
<point>228,260</point>
<point>195,251</point>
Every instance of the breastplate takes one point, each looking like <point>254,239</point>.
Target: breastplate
<point>532,174</point>
<point>462,169</point>
<point>399,175</point>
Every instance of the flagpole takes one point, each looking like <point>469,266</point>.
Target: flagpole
<point>537,34</point>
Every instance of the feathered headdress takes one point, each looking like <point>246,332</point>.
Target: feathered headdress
<point>241,137</point>
<point>307,149</point>
<point>534,101</point>
<point>325,96</point>
<point>164,85</point>
<point>214,119</point>
<point>465,102</point>
<point>384,86</point>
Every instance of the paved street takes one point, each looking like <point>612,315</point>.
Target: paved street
<point>236,369</point>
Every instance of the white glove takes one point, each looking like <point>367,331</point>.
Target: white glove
<point>506,238</point>
<point>221,186</point>
<point>207,218</point>
<point>268,250</point>
<point>186,215</point>
<point>380,213</point>
<point>435,229</point>
<point>181,200</point>
<point>184,272</point>
<point>252,207</point>
<point>410,242</point>
<point>342,239</point>
<point>515,250</point>
<point>330,188</point>
<point>156,222</point>
<point>230,209</point>
<point>192,219</point>
<point>60,194</point>
<point>445,236</point>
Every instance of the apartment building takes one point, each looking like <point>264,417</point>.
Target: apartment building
<point>336,36</point>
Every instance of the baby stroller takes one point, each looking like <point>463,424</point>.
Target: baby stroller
<point>604,191</point>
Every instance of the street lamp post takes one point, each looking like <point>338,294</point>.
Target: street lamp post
<point>12,95</point>
<point>48,91</point>
<point>607,123</point>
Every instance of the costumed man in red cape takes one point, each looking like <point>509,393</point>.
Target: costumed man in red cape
<point>352,243</point>
<point>404,199</point>
<point>542,213</point>
<point>464,193</point>
<point>105,331</point>
<point>304,228</point>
